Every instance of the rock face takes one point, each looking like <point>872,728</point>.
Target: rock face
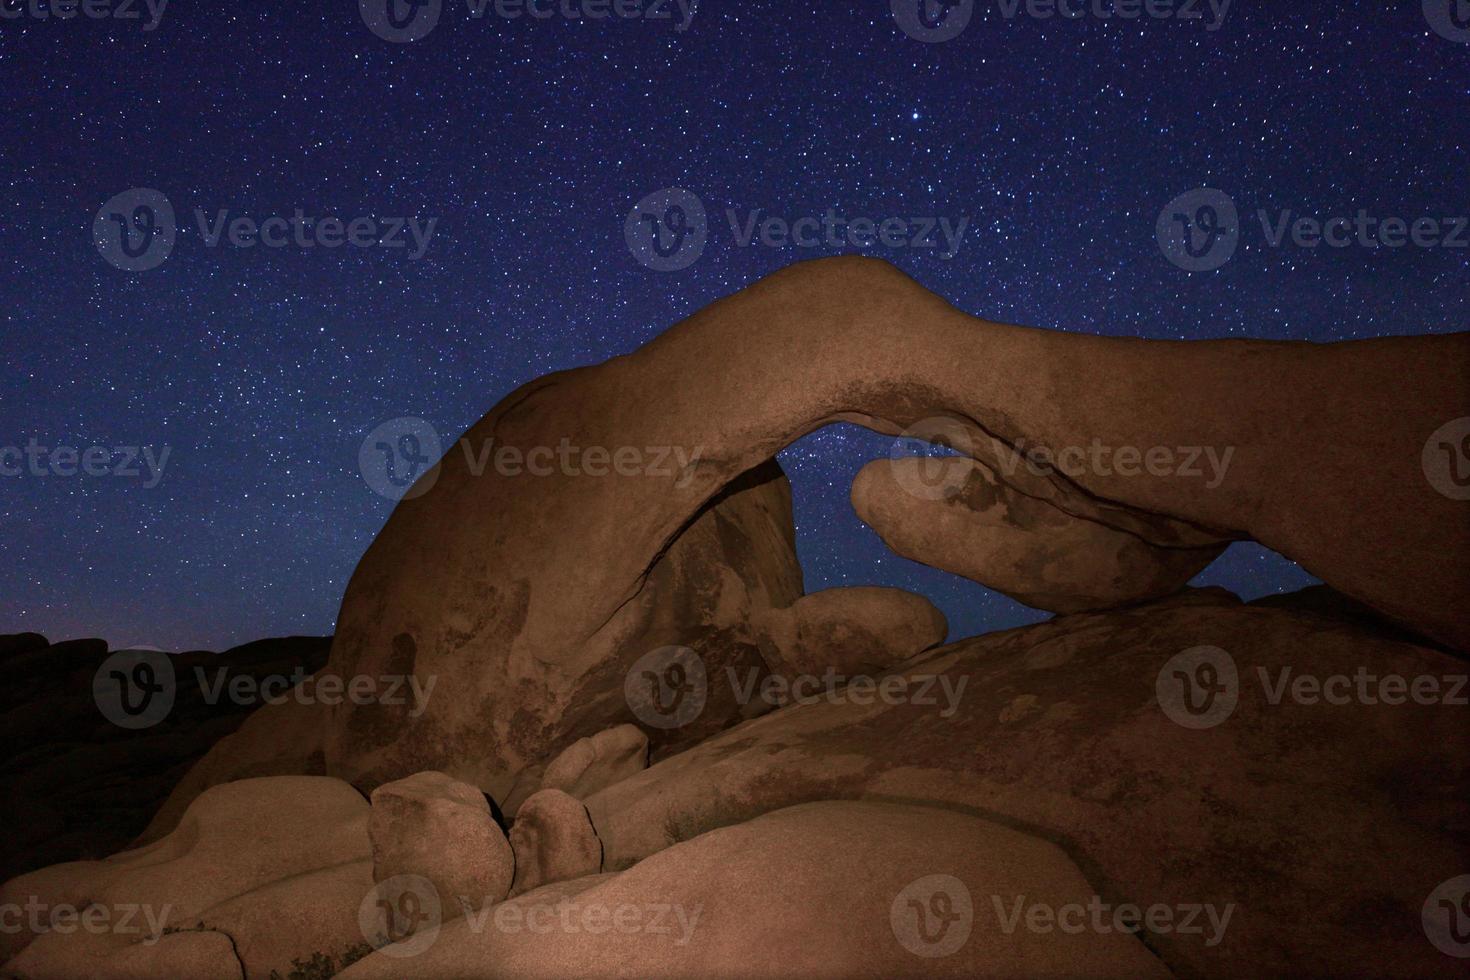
<point>980,528</point>
<point>532,596</point>
<point>1327,824</point>
<point>851,630</point>
<point>553,841</point>
<point>727,586</point>
<point>591,764</point>
<point>822,890</point>
<point>519,603</point>
<point>275,740</point>
<point>76,785</point>
<point>1279,788</point>
<point>170,909</point>
<point>440,829</point>
<point>297,919</point>
<point>702,589</point>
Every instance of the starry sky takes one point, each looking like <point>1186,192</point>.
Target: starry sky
<point>529,141</point>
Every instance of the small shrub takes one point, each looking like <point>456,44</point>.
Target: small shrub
<point>321,966</point>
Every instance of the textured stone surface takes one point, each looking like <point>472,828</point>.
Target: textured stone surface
<point>506,718</point>
<point>823,890</point>
<point>594,763</point>
<point>531,596</point>
<point>537,632</point>
<point>1025,547</point>
<point>859,630</point>
<point>441,829</point>
<point>527,600</point>
<point>553,840</point>
<point>233,840</point>
<point>177,956</point>
<point>293,919</point>
<point>1327,825</point>
<point>1322,827</point>
<point>275,740</point>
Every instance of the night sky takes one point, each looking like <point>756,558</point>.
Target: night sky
<point>529,141</point>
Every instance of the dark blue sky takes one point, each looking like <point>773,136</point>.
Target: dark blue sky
<point>529,141</point>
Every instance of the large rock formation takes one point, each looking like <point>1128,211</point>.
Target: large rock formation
<point>531,596</point>
<point>727,586</point>
<point>1277,789</point>
<point>983,529</point>
<point>1326,818</point>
